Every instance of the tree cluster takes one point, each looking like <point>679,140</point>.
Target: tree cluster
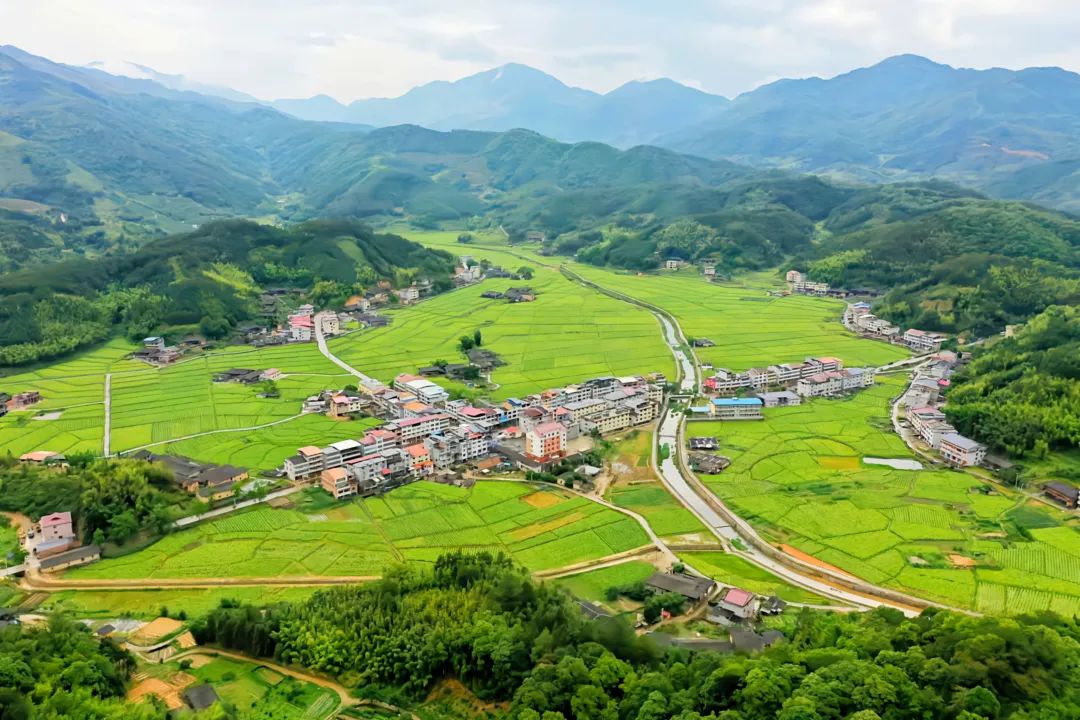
<point>112,500</point>
<point>59,671</point>
<point>479,619</point>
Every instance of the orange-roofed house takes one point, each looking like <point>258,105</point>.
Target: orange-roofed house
<point>42,457</point>
<point>420,459</point>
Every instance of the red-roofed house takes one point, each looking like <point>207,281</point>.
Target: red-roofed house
<point>546,441</point>
<point>57,526</point>
<point>740,603</point>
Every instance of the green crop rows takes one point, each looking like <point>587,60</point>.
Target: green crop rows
<point>893,527</point>
<point>414,523</point>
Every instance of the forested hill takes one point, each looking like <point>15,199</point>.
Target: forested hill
<point>207,281</point>
<point>478,619</point>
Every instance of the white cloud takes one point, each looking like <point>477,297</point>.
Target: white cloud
<point>364,48</point>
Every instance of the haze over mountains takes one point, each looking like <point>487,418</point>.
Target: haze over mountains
<point>1012,134</point>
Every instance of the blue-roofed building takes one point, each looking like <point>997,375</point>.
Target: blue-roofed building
<point>701,410</point>
<point>737,408</point>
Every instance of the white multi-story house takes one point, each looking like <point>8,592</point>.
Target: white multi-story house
<point>367,470</point>
<point>427,391</point>
<point>301,328</point>
<point>960,451</point>
<point>307,462</point>
<point>408,295</point>
<point>337,482</point>
<point>546,441</point>
<point>328,323</point>
<point>922,341</point>
<point>416,429</point>
<point>857,378</point>
<point>874,325</point>
<point>824,383</point>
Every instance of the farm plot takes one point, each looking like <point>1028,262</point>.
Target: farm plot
<point>415,523</point>
<point>594,584</point>
<point>733,570</point>
<point>568,334</point>
<point>259,690</point>
<point>158,405</point>
<point>750,327</point>
<point>892,527</point>
<point>635,487</point>
<point>147,604</point>
<point>70,416</point>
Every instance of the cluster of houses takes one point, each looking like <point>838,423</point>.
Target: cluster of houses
<point>511,295</point>
<point>207,482</point>
<point>927,420</point>
<point>18,401</point>
<point>246,376</point>
<point>427,433</point>
<point>728,606</point>
<point>859,319</point>
<point>799,284</point>
<point>791,382</point>
<point>154,351</point>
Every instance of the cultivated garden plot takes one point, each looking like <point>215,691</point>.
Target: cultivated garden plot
<point>542,529</point>
<point>750,328</point>
<point>594,584</point>
<point>942,534</point>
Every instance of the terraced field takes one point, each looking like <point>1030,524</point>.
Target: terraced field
<point>542,529</point>
<point>147,604</point>
<point>567,335</point>
<point>151,406</point>
<point>913,530</point>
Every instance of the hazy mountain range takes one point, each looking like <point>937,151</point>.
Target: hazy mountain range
<point>1013,134</point>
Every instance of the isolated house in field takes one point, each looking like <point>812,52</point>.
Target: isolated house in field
<point>1063,493</point>
<point>737,408</point>
<point>200,697</point>
<point>70,558</point>
<point>42,457</point>
<point>703,443</point>
<point>535,236</point>
<point>23,400</point>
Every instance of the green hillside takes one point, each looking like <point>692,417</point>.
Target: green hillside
<point>208,278</point>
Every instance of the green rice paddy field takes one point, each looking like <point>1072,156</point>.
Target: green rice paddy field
<point>569,334</point>
<point>147,604</point>
<point>750,328</point>
<point>152,406</point>
<point>542,529</point>
<point>799,477</point>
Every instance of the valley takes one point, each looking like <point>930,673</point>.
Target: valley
<point>437,406</point>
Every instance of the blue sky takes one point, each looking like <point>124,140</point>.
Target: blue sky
<point>352,49</point>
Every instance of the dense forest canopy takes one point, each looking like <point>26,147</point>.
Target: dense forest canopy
<point>209,278</point>
<point>60,671</point>
<point>479,619</point>
<point>1022,394</point>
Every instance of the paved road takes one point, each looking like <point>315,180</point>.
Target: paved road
<point>108,412</point>
<point>320,339</point>
<point>211,514</point>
